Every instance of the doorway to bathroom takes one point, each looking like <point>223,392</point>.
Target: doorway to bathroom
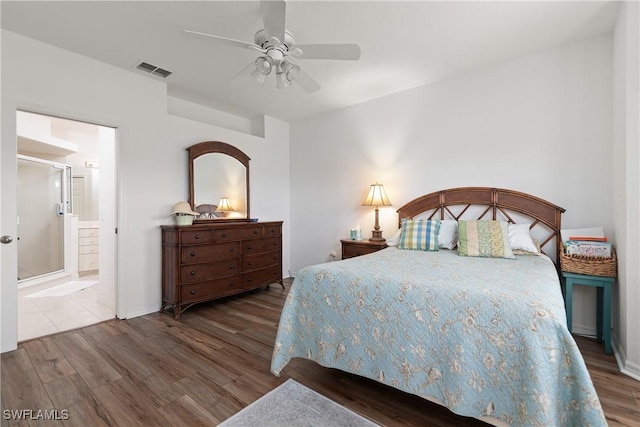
<point>66,190</point>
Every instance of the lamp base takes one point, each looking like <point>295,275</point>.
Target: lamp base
<point>377,236</point>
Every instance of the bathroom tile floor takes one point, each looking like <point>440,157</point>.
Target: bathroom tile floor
<point>38,317</point>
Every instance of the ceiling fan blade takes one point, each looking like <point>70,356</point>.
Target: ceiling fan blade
<point>307,83</point>
<point>273,18</point>
<point>244,75</point>
<point>329,51</point>
<point>227,41</point>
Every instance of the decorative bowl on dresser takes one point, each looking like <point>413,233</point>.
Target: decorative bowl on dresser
<point>208,261</point>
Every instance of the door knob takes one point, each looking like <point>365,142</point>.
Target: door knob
<point>6,240</point>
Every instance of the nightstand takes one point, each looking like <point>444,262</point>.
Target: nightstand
<point>354,248</point>
<point>603,308</point>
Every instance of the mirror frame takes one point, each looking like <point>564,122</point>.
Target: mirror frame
<point>209,147</point>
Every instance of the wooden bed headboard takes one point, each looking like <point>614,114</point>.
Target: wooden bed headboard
<point>497,204</point>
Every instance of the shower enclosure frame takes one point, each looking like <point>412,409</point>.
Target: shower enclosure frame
<point>63,209</point>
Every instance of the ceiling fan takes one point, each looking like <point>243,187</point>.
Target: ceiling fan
<point>277,47</point>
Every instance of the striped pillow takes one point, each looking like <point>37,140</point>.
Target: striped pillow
<point>484,238</point>
<point>419,234</point>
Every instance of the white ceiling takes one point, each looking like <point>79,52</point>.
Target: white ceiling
<point>404,44</point>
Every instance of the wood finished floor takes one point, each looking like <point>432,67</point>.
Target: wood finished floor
<point>154,371</point>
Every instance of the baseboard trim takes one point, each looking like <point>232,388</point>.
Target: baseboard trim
<point>583,330</point>
<point>141,312</point>
<point>628,368</point>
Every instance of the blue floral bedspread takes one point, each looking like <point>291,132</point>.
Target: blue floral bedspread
<point>485,337</point>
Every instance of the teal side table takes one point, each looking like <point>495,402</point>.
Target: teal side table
<point>603,308</point>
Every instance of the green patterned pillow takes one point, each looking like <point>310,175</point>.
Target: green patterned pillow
<point>484,238</point>
<point>421,235</point>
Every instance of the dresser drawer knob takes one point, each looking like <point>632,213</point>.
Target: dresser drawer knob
<point>249,247</point>
<point>231,285</point>
<point>255,231</point>
<point>193,292</point>
<point>232,249</point>
<point>223,234</point>
<point>193,254</point>
<point>197,236</point>
<point>193,273</point>
<point>249,279</point>
<point>249,263</point>
<point>231,267</point>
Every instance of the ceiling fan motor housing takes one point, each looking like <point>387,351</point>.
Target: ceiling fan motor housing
<point>276,51</point>
<point>266,43</point>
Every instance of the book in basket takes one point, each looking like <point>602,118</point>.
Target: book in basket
<point>589,248</point>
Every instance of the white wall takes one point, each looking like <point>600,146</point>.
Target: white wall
<point>540,124</point>
<point>626,187</point>
<point>151,156</point>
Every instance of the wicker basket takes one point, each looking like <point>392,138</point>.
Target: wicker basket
<point>592,266</point>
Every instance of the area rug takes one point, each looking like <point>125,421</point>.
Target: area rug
<point>293,405</point>
<point>63,289</point>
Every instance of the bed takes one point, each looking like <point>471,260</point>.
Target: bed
<point>484,336</point>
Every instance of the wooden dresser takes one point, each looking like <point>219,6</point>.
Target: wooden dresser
<point>203,262</point>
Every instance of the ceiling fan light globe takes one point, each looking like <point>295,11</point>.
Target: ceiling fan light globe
<point>282,81</point>
<point>261,78</point>
<point>293,73</point>
<point>290,70</point>
<point>264,65</point>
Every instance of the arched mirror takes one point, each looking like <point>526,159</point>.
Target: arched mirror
<point>218,182</point>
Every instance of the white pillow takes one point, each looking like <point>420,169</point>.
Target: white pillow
<point>395,239</point>
<point>448,234</point>
<point>520,239</point>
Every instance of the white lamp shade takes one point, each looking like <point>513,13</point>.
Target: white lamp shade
<point>376,196</point>
<point>224,205</point>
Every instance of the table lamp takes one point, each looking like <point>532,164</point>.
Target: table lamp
<point>376,197</point>
<point>224,206</point>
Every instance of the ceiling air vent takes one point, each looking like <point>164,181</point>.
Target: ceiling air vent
<point>152,69</point>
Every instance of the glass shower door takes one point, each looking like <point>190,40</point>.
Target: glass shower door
<point>41,208</point>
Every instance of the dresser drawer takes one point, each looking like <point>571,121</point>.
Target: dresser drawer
<point>210,270</point>
<point>242,233</point>
<point>88,232</point>
<point>273,231</point>
<point>196,236</point>
<point>86,241</point>
<point>88,262</point>
<point>262,277</point>
<point>93,249</point>
<point>353,251</point>
<point>210,289</point>
<point>254,262</point>
<point>200,253</point>
<point>263,245</point>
